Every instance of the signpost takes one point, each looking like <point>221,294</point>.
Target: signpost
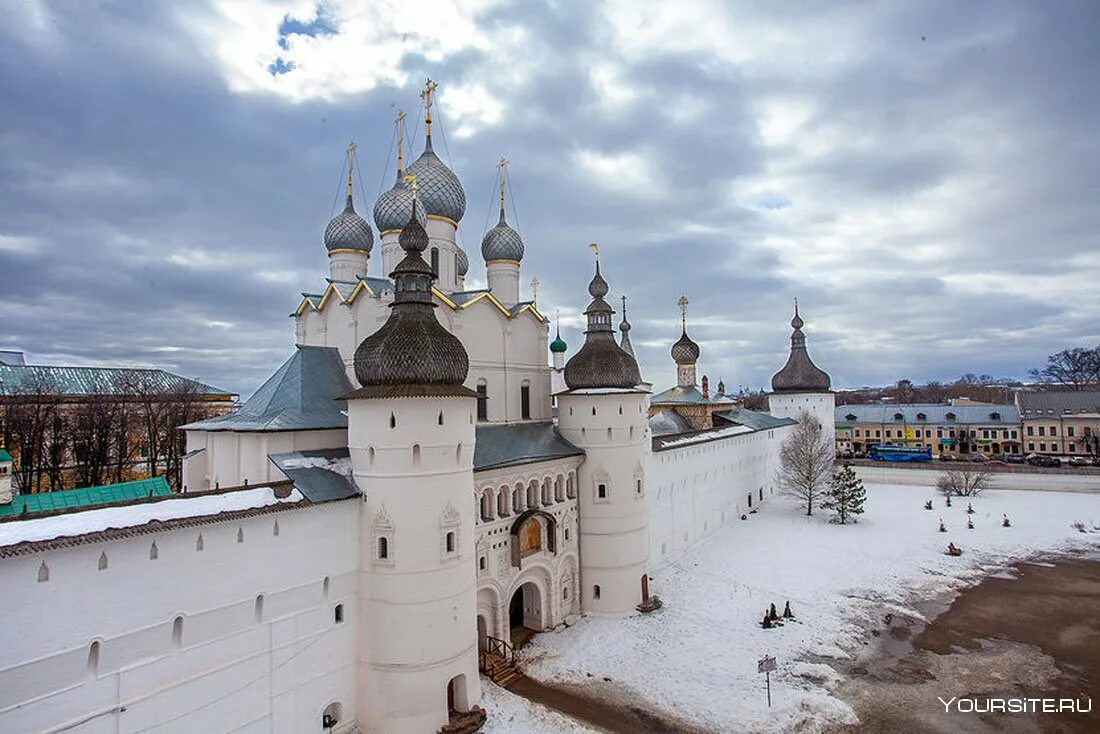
<point>766,665</point>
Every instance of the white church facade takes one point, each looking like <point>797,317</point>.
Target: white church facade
<point>414,489</point>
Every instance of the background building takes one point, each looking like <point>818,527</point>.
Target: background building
<point>1063,422</point>
<point>951,429</point>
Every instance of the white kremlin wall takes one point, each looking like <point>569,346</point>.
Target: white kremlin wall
<point>821,405</point>
<point>696,488</point>
<point>96,646</point>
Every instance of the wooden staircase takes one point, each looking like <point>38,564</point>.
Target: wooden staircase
<point>498,661</point>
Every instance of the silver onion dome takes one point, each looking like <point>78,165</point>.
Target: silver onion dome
<point>441,193</point>
<point>502,243</point>
<point>394,206</point>
<point>685,351</point>
<point>348,231</point>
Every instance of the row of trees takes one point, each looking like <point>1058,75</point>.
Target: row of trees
<point>125,432</point>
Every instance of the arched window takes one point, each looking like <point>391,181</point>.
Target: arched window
<point>482,400</point>
<point>259,610</point>
<point>502,502</point>
<point>177,632</point>
<point>596,591</point>
<point>383,548</point>
<point>517,499</point>
<point>450,541</point>
<point>532,495</point>
<point>546,496</point>
<point>435,261</point>
<point>525,400</point>
<point>93,659</point>
<point>487,505</point>
<point>416,454</point>
<point>338,614</point>
<point>43,573</point>
<point>154,553</point>
<point>570,491</point>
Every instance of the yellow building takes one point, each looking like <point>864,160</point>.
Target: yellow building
<point>952,429</point>
<point>1061,422</point>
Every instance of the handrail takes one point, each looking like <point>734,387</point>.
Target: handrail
<point>500,647</point>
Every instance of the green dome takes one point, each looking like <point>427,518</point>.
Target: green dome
<point>558,345</point>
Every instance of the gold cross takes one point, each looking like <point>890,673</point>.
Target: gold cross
<point>351,157</point>
<point>500,175</point>
<point>683,311</point>
<point>595,246</point>
<point>399,121</point>
<point>534,289</point>
<point>426,95</point>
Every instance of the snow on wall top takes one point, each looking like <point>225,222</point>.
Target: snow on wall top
<point>91,521</point>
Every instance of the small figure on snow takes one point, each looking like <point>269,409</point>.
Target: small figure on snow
<point>952,550</point>
<point>772,613</point>
<point>744,517</point>
<point>969,509</point>
<point>767,623</point>
<point>787,613</point>
<point>969,524</point>
<point>928,505</point>
<point>1005,523</point>
<point>948,500</point>
<point>943,528</point>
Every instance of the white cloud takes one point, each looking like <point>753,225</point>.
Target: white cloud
<point>628,172</point>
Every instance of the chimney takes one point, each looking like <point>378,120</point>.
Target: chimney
<point>706,388</point>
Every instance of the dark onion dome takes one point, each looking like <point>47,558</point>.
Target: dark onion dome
<point>348,231</point>
<point>800,374</point>
<point>684,350</point>
<point>462,263</point>
<point>394,206</point>
<point>558,346</point>
<point>502,242</point>
<point>440,192</point>
<point>600,362</point>
<point>412,349</point>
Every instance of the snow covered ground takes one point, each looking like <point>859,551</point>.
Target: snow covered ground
<point>696,657</point>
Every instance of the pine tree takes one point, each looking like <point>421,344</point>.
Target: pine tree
<point>846,495</point>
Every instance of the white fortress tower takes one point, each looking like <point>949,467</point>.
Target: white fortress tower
<point>502,249</point>
<point>801,385</point>
<point>411,441</point>
<point>348,238</point>
<point>604,412</point>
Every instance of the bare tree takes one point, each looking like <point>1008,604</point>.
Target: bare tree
<point>806,461</point>
<point>29,411</point>
<point>1076,369</point>
<point>965,480</point>
<point>94,428</point>
<point>184,405</point>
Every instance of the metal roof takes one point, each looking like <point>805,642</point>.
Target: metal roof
<point>932,412</point>
<point>667,422</point>
<point>320,475</point>
<point>1058,402</point>
<point>84,497</point>
<point>521,443</point>
<point>12,357</point>
<point>4,455</point>
<point>79,381</point>
<point>687,396</point>
<point>303,394</point>
<point>754,419</point>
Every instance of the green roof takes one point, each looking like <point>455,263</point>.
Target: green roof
<point>66,499</point>
<point>73,381</point>
<point>4,455</point>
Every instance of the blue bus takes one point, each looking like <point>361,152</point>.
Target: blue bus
<point>899,453</point>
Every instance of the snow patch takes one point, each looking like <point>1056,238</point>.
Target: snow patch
<point>337,466</point>
<point>170,508</point>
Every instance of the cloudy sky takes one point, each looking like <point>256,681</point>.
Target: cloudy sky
<point>923,176</point>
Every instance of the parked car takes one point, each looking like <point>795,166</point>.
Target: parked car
<point>1041,460</point>
<point>1078,461</point>
<point>1014,458</point>
<point>859,455</point>
<point>996,462</point>
<point>947,457</point>
<point>976,457</point>
<point>845,455</point>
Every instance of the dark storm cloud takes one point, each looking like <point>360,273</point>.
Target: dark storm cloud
<point>934,212</point>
